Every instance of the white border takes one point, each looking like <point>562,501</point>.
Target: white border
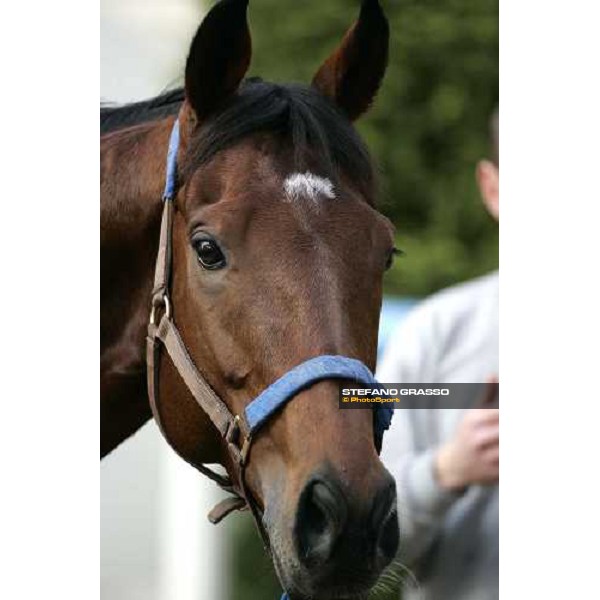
<point>50,299</point>
<point>49,252</point>
<point>550,147</point>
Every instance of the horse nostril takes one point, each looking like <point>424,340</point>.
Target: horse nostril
<point>389,537</point>
<point>321,517</point>
<point>384,522</point>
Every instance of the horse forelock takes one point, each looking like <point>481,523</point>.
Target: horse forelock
<point>307,122</point>
<point>318,133</point>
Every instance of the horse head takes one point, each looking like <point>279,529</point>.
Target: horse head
<point>277,256</point>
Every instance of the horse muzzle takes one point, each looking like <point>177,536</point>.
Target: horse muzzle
<point>342,540</point>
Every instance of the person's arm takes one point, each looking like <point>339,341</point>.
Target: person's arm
<point>410,454</point>
<point>472,455</point>
<point>409,448</point>
<point>431,474</point>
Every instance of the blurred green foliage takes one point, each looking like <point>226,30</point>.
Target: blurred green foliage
<point>252,569</point>
<point>428,126</point>
<point>426,131</point>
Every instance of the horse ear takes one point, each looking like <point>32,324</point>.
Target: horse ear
<point>352,75</point>
<point>219,57</point>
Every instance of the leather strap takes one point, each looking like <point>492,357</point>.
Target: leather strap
<point>225,507</point>
<point>153,353</point>
<point>204,395</point>
<point>162,271</point>
<point>164,334</point>
<point>167,336</point>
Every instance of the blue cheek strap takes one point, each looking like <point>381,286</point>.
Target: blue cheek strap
<point>303,376</point>
<point>171,173</point>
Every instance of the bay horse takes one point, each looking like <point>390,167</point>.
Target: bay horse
<point>276,255</point>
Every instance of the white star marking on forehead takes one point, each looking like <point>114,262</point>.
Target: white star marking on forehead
<point>307,185</point>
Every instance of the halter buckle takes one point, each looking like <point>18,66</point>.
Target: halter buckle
<point>233,435</point>
<point>161,301</point>
<point>244,451</point>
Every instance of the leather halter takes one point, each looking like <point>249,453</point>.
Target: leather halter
<point>237,431</point>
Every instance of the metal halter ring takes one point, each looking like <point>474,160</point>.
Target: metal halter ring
<point>166,303</point>
<point>238,440</point>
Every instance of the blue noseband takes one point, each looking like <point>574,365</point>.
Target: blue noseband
<point>303,376</point>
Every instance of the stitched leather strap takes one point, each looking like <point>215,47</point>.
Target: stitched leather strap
<point>233,430</point>
<point>165,335</point>
<point>153,352</point>
<point>163,261</point>
<point>204,395</point>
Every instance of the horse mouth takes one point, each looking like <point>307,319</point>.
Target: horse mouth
<point>333,594</point>
<point>304,588</point>
<point>356,551</point>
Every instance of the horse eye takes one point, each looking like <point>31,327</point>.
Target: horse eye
<point>390,259</point>
<point>209,254</point>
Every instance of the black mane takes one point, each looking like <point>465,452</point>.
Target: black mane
<point>314,127</point>
<point>113,118</point>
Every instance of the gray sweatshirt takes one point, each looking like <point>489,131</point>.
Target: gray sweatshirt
<point>448,540</point>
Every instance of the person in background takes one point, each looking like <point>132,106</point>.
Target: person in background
<point>446,461</point>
